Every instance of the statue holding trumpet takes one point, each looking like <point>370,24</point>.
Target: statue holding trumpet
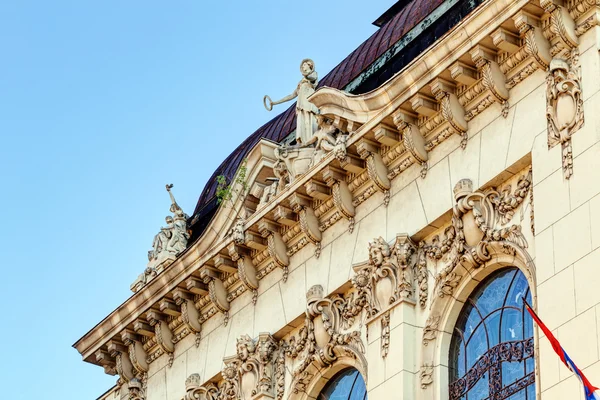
<point>306,112</point>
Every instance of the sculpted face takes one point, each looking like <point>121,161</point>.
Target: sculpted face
<point>306,68</point>
<point>376,255</point>
<point>169,220</point>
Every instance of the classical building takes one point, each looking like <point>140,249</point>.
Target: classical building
<point>379,237</point>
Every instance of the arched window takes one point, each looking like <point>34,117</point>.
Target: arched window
<point>345,385</point>
<point>491,352</point>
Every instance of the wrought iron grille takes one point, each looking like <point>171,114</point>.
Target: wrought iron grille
<point>490,363</point>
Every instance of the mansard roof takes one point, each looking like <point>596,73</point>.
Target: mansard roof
<point>405,19</point>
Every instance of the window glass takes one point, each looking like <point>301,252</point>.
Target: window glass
<point>346,385</point>
<point>491,352</point>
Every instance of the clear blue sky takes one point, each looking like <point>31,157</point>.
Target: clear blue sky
<point>101,104</point>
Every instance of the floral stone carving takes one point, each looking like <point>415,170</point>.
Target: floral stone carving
<point>388,275</point>
<point>426,375</point>
<point>564,109</point>
<point>327,334</point>
<point>253,373</point>
<point>480,220</point>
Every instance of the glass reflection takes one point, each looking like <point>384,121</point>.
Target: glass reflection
<point>346,385</point>
<point>491,333</point>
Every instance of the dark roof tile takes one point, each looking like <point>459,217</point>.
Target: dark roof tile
<point>283,124</point>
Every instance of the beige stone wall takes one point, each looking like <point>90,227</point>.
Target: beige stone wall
<point>498,148</point>
<point>567,242</point>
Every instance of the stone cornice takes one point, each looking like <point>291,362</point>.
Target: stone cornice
<point>371,108</point>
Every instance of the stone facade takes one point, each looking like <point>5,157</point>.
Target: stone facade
<point>448,172</point>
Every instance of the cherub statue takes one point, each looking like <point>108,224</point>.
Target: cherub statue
<point>282,174</point>
<point>306,112</point>
<point>323,137</point>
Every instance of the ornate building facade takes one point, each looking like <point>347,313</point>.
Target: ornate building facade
<point>379,237</point>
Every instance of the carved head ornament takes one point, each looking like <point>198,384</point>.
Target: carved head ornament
<point>463,188</point>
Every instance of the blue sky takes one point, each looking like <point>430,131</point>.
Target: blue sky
<point>101,104</point>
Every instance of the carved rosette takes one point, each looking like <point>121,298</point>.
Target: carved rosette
<point>564,109</point>
<point>480,219</point>
<point>327,334</point>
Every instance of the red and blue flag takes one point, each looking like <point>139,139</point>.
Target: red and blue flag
<point>590,390</point>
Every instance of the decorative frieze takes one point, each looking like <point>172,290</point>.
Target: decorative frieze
<point>464,89</point>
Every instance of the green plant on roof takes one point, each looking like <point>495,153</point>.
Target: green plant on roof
<point>239,186</point>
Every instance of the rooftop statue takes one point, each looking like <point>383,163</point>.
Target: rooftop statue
<point>166,245</point>
<point>172,238</point>
<point>306,112</point>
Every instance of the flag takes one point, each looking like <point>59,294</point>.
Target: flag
<point>564,357</point>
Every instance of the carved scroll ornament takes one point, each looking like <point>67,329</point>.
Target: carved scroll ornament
<point>564,109</point>
<point>327,334</point>
<point>480,219</point>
